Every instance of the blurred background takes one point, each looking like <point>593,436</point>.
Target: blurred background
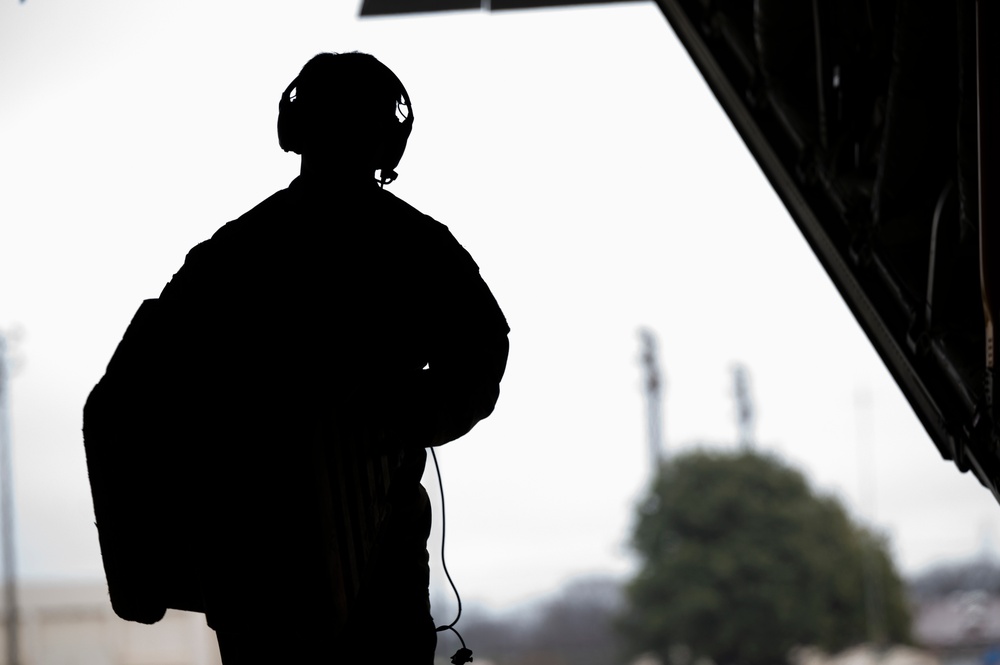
<point>579,156</point>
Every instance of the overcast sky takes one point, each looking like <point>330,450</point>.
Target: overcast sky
<point>580,158</point>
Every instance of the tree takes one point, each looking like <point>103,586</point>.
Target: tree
<point>741,561</point>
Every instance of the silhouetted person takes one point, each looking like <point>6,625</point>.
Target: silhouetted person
<point>256,445</point>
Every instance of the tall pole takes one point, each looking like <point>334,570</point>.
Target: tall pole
<point>7,514</point>
<point>652,386</point>
<point>744,406</point>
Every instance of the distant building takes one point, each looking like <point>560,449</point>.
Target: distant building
<point>956,610</point>
<point>73,624</point>
<point>962,628</point>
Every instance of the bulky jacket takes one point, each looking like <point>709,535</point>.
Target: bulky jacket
<point>259,418</point>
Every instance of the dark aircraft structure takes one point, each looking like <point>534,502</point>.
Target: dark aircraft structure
<point>873,121</point>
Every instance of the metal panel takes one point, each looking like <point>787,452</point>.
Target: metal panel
<point>535,4</point>
<point>389,7</point>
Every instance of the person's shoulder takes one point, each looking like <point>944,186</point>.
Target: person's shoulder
<point>256,219</point>
<point>211,260</point>
<point>406,213</point>
<point>255,227</point>
<point>414,224</point>
<point>427,235</point>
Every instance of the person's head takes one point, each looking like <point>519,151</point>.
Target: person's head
<point>346,113</point>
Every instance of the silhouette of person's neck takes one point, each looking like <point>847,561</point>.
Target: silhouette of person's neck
<point>336,173</point>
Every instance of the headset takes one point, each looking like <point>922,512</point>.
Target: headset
<point>297,120</point>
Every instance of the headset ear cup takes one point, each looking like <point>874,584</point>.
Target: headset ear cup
<point>289,122</point>
<point>394,148</point>
<point>398,134</point>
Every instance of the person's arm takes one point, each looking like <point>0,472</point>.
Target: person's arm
<point>468,347</point>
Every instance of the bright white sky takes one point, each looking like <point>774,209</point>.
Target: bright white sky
<point>584,163</point>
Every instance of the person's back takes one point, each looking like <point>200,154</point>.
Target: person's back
<point>316,346</point>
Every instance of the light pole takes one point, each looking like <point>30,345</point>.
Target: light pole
<point>652,386</point>
<point>11,618</point>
